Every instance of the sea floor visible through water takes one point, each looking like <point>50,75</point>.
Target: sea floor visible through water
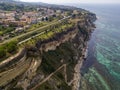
<point>101,69</point>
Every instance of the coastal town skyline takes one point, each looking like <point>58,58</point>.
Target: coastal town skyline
<point>75,1</point>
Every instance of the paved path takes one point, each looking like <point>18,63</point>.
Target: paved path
<point>47,78</point>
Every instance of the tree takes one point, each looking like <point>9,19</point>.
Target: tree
<point>42,19</point>
<point>1,33</point>
<point>2,52</point>
<point>46,18</point>
<point>11,47</point>
<point>51,19</point>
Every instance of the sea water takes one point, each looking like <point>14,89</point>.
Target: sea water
<point>101,70</point>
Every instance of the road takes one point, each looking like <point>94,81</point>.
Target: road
<point>25,34</point>
<point>48,77</point>
<point>42,32</point>
<point>10,58</point>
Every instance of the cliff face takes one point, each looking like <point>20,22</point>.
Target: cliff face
<point>54,64</point>
<point>62,58</point>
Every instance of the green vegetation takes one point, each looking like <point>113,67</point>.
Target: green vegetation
<point>49,32</point>
<point>34,26</point>
<point>59,75</point>
<point>8,48</point>
<point>61,85</point>
<point>4,30</point>
<point>19,88</point>
<point>2,51</point>
<point>45,86</point>
<point>51,61</point>
<point>56,64</point>
<point>11,47</point>
<point>12,7</point>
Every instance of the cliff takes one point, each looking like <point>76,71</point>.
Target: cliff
<point>52,64</point>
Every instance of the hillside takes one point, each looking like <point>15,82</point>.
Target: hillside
<point>50,57</point>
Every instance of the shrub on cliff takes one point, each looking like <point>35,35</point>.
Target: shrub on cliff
<point>11,47</point>
<point>8,48</point>
<point>2,52</point>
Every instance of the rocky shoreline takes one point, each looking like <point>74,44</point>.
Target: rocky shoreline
<point>77,75</point>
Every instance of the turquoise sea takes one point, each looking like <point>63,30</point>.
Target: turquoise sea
<point>101,70</point>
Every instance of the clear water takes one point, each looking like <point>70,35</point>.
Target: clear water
<point>101,70</point>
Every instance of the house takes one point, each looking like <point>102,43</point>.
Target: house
<point>19,29</point>
<point>27,26</point>
<point>33,20</point>
<point>58,11</point>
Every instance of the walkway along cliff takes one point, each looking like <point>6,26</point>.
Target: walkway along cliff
<point>51,64</point>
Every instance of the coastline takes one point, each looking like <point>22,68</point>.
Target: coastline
<point>77,75</point>
<point>78,37</point>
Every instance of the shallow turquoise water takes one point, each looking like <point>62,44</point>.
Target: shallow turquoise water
<point>101,70</point>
